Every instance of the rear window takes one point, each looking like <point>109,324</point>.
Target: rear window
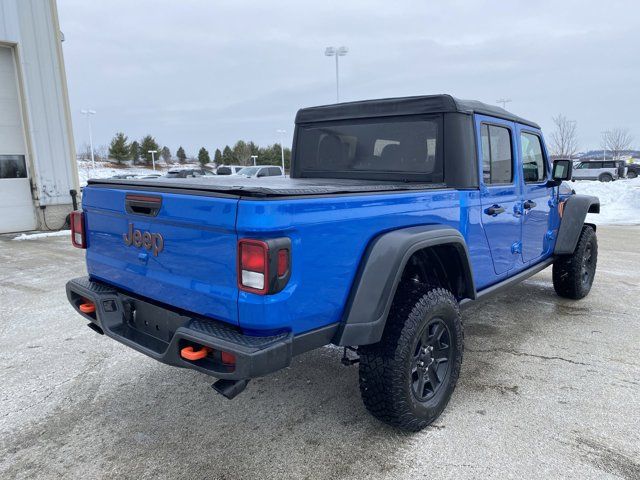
<point>392,148</point>
<point>223,171</point>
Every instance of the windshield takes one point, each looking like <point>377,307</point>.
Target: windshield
<point>248,171</point>
<point>407,148</point>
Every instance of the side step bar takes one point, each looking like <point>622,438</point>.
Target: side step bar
<point>500,286</point>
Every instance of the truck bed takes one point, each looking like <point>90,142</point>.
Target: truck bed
<point>233,185</point>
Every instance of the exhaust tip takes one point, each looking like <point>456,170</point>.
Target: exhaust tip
<point>95,328</point>
<point>230,388</point>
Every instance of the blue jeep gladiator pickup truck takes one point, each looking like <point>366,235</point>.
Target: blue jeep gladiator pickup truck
<point>398,213</point>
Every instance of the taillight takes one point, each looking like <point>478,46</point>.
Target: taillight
<point>78,238</point>
<point>283,262</point>
<point>254,265</point>
<point>264,266</point>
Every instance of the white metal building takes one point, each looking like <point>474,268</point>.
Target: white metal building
<point>37,155</point>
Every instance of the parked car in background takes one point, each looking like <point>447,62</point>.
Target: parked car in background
<point>189,173</point>
<point>229,169</point>
<point>136,176</point>
<point>633,170</point>
<point>604,171</point>
<point>124,176</point>
<point>261,171</point>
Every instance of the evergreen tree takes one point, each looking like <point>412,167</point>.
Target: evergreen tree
<point>203,156</point>
<point>242,153</point>
<point>217,157</point>
<point>119,148</point>
<point>182,157</point>
<point>165,153</point>
<point>253,148</point>
<point>146,144</point>
<point>134,152</point>
<point>227,156</point>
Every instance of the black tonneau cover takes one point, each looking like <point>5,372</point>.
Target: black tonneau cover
<point>265,186</point>
<point>418,105</point>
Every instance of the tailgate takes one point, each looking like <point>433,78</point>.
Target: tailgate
<point>177,249</point>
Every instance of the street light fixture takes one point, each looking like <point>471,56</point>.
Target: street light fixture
<point>254,157</point>
<point>336,52</point>
<point>282,132</point>
<point>504,102</point>
<point>153,158</point>
<point>87,113</point>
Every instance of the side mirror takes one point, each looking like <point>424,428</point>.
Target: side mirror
<point>562,170</point>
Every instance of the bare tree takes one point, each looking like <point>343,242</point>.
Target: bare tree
<point>564,140</point>
<point>617,141</point>
<point>84,152</point>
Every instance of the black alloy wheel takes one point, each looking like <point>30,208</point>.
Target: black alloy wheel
<point>431,360</point>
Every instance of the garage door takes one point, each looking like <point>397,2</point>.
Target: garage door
<point>16,206</point>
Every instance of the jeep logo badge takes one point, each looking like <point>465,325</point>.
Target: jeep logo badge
<point>148,240</point>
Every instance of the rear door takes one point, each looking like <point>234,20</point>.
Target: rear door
<point>178,249</point>
<point>536,195</point>
<point>500,191</point>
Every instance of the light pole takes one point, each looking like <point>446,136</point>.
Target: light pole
<point>282,132</point>
<point>336,52</point>
<point>153,158</point>
<point>604,134</point>
<point>254,157</point>
<point>88,113</point>
<point>504,102</point>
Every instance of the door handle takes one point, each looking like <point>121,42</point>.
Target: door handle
<point>529,204</point>
<point>494,210</point>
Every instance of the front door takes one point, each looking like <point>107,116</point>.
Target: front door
<point>16,205</point>
<point>500,191</point>
<point>536,195</point>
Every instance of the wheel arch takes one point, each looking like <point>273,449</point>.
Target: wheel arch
<point>574,213</point>
<point>381,270</point>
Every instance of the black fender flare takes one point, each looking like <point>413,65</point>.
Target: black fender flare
<point>574,213</point>
<point>379,273</point>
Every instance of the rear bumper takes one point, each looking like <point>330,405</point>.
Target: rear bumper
<point>161,332</point>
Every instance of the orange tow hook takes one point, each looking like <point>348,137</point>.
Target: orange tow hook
<point>190,354</point>
<point>87,307</point>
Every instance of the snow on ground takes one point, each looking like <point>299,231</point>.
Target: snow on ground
<point>619,200</point>
<point>35,236</point>
<point>105,170</point>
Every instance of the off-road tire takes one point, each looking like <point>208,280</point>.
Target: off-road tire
<point>387,378</point>
<point>632,175</point>
<point>605,177</point>
<point>573,274</point>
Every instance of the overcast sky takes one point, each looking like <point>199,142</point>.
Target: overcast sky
<point>207,73</point>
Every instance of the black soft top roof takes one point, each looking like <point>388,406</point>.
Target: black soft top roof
<point>404,106</point>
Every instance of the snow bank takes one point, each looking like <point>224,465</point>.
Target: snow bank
<point>35,236</point>
<point>619,200</point>
<point>103,170</point>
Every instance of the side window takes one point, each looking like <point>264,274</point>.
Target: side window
<point>274,171</point>
<point>13,166</point>
<point>497,161</point>
<point>533,164</point>
<point>609,165</point>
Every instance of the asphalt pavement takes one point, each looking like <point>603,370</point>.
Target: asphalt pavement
<point>550,388</point>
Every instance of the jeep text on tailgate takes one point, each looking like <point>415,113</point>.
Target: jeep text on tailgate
<point>398,213</point>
